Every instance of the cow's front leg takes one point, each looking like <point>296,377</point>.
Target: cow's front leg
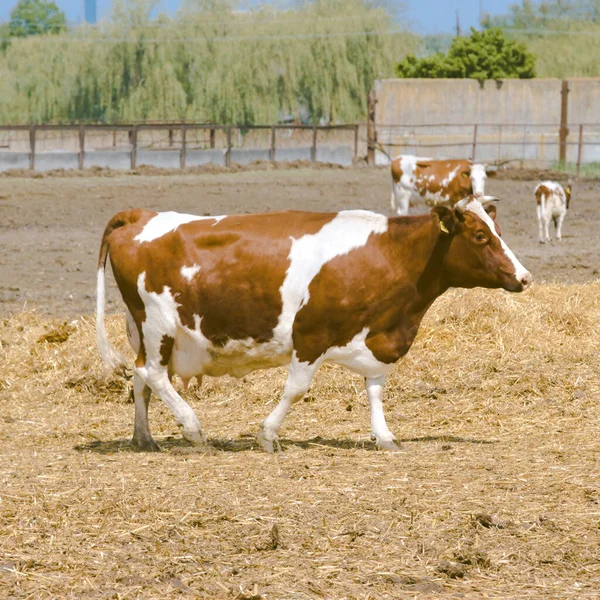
<point>400,199</point>
<point>300,377</point>
<point>384,438</point>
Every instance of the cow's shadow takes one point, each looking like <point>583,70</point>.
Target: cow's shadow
<point>248,443</point>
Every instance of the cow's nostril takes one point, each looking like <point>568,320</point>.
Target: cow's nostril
<point>526,280</point>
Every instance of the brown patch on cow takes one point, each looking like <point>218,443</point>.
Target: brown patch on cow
<point>541,191</point>
<point>166,349</point>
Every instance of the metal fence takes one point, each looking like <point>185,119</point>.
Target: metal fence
<point>527,144</point>
<point>172,144</point>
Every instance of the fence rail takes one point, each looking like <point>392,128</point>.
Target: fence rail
<point>540,143</point>
<point>174,144</point>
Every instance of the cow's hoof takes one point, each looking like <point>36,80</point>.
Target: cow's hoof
<point>146,445</point>
<point>268,445</point>
<point>389,445</point>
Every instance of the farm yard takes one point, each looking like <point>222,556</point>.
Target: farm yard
<point>496,493</point>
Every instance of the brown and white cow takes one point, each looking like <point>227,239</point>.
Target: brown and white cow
<point>231,294</point>
<point>437,182</point>
<point>552,204</point>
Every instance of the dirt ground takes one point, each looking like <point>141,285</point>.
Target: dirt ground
<point>50,226</point>
<point>496,493</point>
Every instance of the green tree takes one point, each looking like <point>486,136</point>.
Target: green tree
<point>484,55</point>
<point>35,17</point>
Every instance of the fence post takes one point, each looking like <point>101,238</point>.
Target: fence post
<point>212,137</point>
<point>564,130</point>
<point>356,128</point>
<point>170,138</point>
<point>272,149</point>
<point>32,147</point>
<point>313,148</point>
<point>133,142</point>
<point>228,151</point>
<point>182,157</point>
<point>474,150</point>
<point>81,145</point>
<point>371,131</point>
<point>579,149</point>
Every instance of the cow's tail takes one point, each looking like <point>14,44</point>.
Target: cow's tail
<point>112,358</point>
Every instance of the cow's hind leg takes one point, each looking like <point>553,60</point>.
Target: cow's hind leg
<point>142,438</point>
<point>384,438</point>
<point>541,218</point>
<point>157,377</point>
<point>558,221</point>
<point>300,377</point>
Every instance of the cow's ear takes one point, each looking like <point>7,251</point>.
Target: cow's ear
<point>490,209</point>
<point>445,218</point>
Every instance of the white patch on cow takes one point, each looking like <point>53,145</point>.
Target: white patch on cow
<point>554,188</point>
<point>451,176</point>
<point>162,318</point>
<point>357,357</point>
<point>189,272</point>
<point>478,177</point>
<point>350,229</point>
<point>476,207</point>
<point>166,222</point>
<point>194,354</point>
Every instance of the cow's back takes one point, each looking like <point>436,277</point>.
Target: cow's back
<point>551,197</point>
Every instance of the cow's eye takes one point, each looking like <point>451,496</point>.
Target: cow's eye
<point>480,237</point>
<point>465,174</point>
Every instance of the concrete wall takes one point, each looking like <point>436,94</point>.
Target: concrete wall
<point>169,159</point>
<point>516,118</point>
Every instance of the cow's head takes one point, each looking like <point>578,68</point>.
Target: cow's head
<point>476,255</point>
<point>478,174</point>
<point>568,194</point>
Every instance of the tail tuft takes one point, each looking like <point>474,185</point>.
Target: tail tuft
<point>111,357</point>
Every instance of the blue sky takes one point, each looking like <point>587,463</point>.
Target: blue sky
<point>425,16</point>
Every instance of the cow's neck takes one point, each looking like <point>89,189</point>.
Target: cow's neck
<point>421,247</point>
<point>416,249</point>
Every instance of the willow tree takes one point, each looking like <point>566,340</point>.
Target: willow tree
<point>209,63</point>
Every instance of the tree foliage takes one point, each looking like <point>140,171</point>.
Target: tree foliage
<point>36,17</point>
<point>484,55</point>
<point>564,35</point>
<point>209,63</point>
<point>530,15</point>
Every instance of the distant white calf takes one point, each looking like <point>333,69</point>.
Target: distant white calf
<point>552,203</point>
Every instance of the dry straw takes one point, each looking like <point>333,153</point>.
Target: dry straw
<point>496,495</point>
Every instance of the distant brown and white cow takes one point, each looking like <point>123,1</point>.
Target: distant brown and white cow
<point>231,294</point>
<point>552,203</point>
<point>437,182</point>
